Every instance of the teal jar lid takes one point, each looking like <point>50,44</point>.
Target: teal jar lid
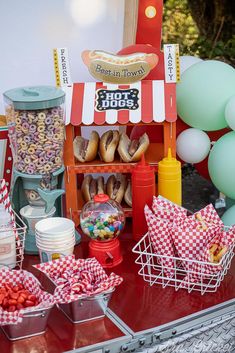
<point>37,97</point>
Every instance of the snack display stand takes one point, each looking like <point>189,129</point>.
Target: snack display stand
<point>165,97</point>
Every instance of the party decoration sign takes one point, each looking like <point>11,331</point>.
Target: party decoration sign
<point>171,60</point>
<point>61,66</point>
<point>117,99</point>
<point>120,69</point>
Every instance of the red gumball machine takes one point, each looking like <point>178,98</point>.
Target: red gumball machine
<point>102,219</point>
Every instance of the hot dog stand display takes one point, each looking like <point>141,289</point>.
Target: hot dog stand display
<point>171,289</point>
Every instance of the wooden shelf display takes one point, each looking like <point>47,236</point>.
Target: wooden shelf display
<point>83,113</point>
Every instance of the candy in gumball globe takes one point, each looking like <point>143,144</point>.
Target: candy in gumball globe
<point>221,164</point>
<point>203,93</point>
<point>102,219</point>
<point>192,145</point>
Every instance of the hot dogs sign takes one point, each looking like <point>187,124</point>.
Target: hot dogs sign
<point>117,99</point>
<point>120,69</point>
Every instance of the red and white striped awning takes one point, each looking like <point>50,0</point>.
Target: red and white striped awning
<point>156,103</point>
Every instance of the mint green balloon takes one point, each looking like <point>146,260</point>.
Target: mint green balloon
<point>203,92</point>
<point>229,216</point>
<point>229,202</point>
<point>221,164</point>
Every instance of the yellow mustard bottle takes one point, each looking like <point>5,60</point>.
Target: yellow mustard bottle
<point>169,179</point>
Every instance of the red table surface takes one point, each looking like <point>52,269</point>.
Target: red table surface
<point>140,306</point>
<point>143,307</point>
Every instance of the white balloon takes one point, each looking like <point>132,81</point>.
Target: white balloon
<point>230,112</point>
<point>186,61</point>
<point>193,145</point>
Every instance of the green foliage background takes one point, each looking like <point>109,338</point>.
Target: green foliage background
<point>179,27</point>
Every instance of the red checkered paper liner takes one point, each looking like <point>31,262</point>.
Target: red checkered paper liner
<point>77,279</point>
<point>166,209</point>
<point>189,236</point>
<point>30,283</point>
<point>223,238</point>
<point>159,233</point>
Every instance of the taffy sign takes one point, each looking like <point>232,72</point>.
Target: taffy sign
<point>120,69</point>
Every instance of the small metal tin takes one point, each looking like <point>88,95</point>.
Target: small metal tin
<point>86,309</point>
<point>34,323</point>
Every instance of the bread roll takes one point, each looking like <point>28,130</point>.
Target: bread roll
<point>108,145</point>
<point>128,194</point>
<point>86,150</point>
<point>131,151</point>
<point>91,187</point>
<point>116,187</point>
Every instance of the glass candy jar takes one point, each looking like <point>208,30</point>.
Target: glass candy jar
<point>102,219</point>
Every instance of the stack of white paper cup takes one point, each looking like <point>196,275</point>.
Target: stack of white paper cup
<point>55,238</point>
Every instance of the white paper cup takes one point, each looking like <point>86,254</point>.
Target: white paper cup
<point>52,237</point>
<point>55,226</point>
<point>55,245</point>
<point>55,242</point>
<point>47,255</point>
<point>33,215</point>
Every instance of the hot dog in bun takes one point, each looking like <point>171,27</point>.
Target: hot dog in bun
<point>128,194</point>
<point>116,187</point>
<point>86,150</point>
<point>131,151</point>
<point>91,187</point>
<point>112,68</point>
<point>108,144</point>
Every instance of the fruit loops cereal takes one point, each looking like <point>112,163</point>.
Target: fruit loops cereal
<point>37,138</point>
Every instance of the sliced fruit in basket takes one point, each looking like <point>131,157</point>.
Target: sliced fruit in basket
<point>16,297</point>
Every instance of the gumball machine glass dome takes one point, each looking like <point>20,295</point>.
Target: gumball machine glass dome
<point>102,219</point>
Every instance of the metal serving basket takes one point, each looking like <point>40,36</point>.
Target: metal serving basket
<point>20,231</point>
<point>34,323</point>
<point>86,309</point>
<point>153,271</point>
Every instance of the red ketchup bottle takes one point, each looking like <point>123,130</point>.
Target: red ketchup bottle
<point>143,190</point>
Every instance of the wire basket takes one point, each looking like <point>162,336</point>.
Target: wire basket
<point>20,231</point>
<point>154,272</point>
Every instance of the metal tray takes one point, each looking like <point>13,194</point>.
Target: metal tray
<point>88,308</point>
<point>33,324</point>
